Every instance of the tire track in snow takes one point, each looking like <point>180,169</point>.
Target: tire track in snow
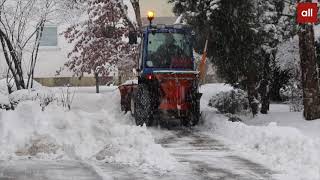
<point>46,170</point>
<point>211,159</point>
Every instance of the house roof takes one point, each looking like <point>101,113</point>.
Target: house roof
<point>160,20</point>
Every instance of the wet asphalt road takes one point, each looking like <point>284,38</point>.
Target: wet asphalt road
<point>200,156</point>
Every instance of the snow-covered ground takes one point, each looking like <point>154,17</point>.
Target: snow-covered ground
<point>93,130</point>
<point>282,140</point>
<point>96,133</point>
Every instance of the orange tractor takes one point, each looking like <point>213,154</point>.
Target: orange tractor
<point>167,88</point>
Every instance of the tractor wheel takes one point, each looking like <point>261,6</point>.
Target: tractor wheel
<point>185,122</point>
<point>192,120</point>
<point>143,106</point>
<point>195,117</point>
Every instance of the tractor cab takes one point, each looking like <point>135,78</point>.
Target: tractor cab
<point>166,48</point>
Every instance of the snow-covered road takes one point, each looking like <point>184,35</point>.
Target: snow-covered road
<point>200,157</point>
<point>46,170</point>
<point>209,158</point>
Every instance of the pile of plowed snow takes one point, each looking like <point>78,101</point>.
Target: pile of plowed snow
<point>94,129</point>
<point>284,149</point>
<point>4,88</point>
<point>288,150</point>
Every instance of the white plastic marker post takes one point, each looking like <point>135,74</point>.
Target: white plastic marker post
<point>202,67</point>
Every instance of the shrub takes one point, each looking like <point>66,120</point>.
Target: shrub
<point>43,96</point>
<point>66,97</point>
<point>233,102</point>
<point>292,94</point>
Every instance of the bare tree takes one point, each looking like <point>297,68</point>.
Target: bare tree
<point>136,8</point>
<point>21,27</point>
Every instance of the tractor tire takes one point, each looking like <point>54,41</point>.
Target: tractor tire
<point>195,119</point>
<point>195,114</point>
<point>143,108</point>
<point>192,120</point>
<point>185,122</point>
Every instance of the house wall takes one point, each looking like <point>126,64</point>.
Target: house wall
<point>51,59</point>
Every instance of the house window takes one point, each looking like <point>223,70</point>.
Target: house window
<point>49,36</point>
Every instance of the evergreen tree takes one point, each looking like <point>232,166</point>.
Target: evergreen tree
<point>273,28</point>
<point>243,37</point>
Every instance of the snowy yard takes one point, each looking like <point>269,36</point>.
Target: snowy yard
<point>95,139</point>
<point>269,50</point>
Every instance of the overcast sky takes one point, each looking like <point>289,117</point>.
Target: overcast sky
<point>161,7</point>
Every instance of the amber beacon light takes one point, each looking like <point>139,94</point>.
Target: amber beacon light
<point>151,15</point>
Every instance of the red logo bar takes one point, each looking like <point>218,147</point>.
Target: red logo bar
<point>307,13</point>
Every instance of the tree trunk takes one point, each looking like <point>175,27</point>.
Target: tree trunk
<point>264,85</point>
<point>14,61</point>
<point>9,87</point>
<point>96,76</point>
<point>252,95</point>
<point>8,60</point>
<point>265,96</point>
<point>310,84</point>
<point>136,8</point>
<point>34,55</point>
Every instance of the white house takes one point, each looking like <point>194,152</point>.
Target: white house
<point>54,48</point>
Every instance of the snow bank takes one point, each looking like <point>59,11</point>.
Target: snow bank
<point>282,148</point>
<point>94,129</point>
<point>4,88</point>
<point>4,99</point>
<point>287,150</point>
<point>32,94</point>
<point>280,113</point>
